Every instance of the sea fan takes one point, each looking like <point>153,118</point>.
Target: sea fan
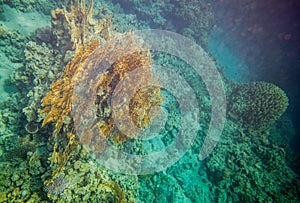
<point>55,186</point>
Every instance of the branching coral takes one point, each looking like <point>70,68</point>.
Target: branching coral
<point>256,105</point>
<point>84,28</point>
<point>79,24</point>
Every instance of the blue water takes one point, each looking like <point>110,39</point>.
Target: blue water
<point>235,68</point>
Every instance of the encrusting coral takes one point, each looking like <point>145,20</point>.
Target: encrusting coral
<point>256,105</point>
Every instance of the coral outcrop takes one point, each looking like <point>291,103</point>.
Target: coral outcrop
<point>83,180</point>
<point>96,50</point>
<point>21,180</point>
<point>256,105</point>
<point>58,102</point>
<point>75,25</point>
<point>39,70</point>
<point>139,106</point>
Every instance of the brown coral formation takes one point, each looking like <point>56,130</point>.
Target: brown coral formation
<point>77,23</point>
<point>115,59</point>
<point>57,103</point>
<point>76,28</point>
<point>98,67</point>
<point>95,69</point>
<point>142,103</point>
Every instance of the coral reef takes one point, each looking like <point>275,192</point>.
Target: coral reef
<point>12,44</point>
<point>56,185</point>
<point>43,65</point>
<point>57,102</point>
<point>77,28</point>
<point>40,68</point>
<point>246,166</point>
<point>84,180</point>
<point>140,106</point>
<point>256,105</point>
<point>197,18</point>
<point>193,19</point>
<point>22,5</point>
<point>21,180</point>
<point>11,129</point>
<point>32,5</point>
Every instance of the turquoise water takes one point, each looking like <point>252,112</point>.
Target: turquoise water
<point>197,102</point>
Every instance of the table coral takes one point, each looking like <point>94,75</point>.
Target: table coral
<point>256,105</point>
